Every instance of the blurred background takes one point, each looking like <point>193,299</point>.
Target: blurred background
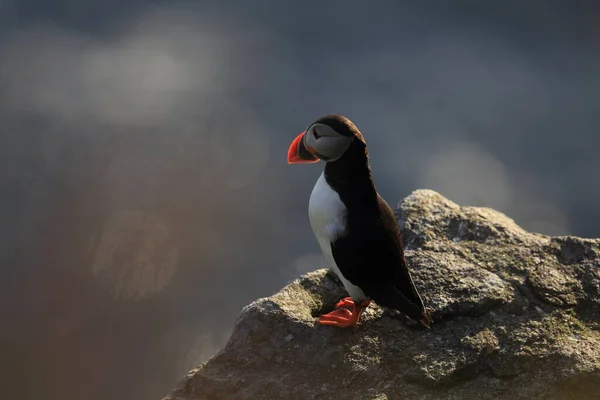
<point>144,191</point>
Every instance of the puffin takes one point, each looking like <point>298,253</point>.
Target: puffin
<point>354,226</point>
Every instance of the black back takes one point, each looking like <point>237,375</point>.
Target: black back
<point>370,255</point>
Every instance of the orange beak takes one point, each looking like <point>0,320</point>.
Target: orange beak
<point>298,153</point>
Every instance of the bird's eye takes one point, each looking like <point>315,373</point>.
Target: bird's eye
<point>315,134</point>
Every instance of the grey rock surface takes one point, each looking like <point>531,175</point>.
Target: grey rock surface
<point>516,316</point>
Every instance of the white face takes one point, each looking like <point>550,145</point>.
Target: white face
<point>325,142</point>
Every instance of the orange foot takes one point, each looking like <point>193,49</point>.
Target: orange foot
<point>343,317</point>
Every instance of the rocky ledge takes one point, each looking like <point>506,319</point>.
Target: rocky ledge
<point>517,316</point>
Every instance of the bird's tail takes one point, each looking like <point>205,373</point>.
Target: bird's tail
<point>426,321</point>
<point>413,308</point>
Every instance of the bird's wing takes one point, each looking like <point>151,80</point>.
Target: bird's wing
<point>375,263</point>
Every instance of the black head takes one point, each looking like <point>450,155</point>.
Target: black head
<point>326,139</point>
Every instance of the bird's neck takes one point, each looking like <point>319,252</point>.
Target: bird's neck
<point>350,176</point>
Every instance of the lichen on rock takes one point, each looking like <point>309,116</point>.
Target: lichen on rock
<point>517,316</point>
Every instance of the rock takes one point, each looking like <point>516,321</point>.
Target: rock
<point>517,316</point>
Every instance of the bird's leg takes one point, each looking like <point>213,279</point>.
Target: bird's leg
<point>343,317</point>
<point>345,302</point>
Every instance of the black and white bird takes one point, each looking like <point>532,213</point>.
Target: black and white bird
<point>356,229</point>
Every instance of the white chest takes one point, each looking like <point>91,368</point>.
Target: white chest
<point>328,219</point>
<point>327,214</point>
